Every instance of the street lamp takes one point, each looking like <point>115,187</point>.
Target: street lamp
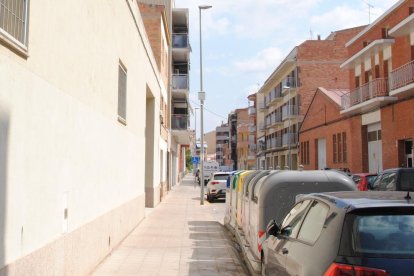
<point>201,97</point>
<point>289,129</point>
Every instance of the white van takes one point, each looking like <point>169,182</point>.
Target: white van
<point>210,167</point>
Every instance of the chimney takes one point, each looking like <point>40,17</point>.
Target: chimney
<point>319,37</point>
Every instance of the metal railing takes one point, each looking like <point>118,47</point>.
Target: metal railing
<point>370,90</point>
<point>289,110</point>
<point>252,128</point>
<point>180,40</point>
<point>180,82</point>
<point>179,121</point>
<point>289,138</point>
<point>251,110</point>
<point>402,76</point>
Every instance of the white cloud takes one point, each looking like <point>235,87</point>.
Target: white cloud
<point>264,60</point>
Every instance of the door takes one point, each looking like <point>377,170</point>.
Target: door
<point>321,154</point>
<point>374,148</point>
<point>409,153</point>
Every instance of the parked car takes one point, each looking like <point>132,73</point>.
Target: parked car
<point>216,186</point>
<point>397,179</point>
<point>364,180</point>
<point>343,233</point>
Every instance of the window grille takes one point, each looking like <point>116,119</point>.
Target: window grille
<point>13,18</point>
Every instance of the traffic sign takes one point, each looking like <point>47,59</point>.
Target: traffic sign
<point>196,159</point>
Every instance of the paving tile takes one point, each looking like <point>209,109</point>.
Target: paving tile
<point>178,237</point>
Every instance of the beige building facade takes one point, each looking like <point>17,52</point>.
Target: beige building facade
<point>81,143</point>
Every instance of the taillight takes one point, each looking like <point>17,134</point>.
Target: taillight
<point>262,237</point>
<point>351,270</point>
<point>214,182</point>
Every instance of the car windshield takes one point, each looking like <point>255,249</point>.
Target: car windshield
<point>379,234</point>
<point>221,176</point>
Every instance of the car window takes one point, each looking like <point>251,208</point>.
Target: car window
<point>221,176</point>
<point>356,178</point>
<point>313,223</point>
<point>386,182</point>
<point>371,179</point>
<point>384,234</point>
<point>380,234</point>
<point>295,216</point>
<point>407,180</point>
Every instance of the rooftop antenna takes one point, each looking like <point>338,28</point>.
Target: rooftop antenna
<point>369,10</point>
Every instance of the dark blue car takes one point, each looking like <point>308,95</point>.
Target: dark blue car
<point>343,233</point>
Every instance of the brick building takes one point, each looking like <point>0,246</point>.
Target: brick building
<point>237,119</point>
<point>381,64</point>
<point>327,138</point>
<point>289,90</point>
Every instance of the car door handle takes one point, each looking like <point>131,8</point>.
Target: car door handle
<point>285,251</point>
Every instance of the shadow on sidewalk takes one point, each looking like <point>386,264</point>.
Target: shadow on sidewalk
<point>214,251</point>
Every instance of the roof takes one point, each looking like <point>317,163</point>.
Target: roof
<point>367,199</point>
<point>334,94</point>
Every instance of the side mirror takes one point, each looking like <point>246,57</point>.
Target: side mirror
<point>286,231</point>
<point>272,228</point>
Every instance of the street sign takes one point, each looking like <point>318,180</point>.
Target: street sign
<point>196,159</point>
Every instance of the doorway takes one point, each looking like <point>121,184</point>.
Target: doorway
<point>408,146</point>
<point>321,154</point>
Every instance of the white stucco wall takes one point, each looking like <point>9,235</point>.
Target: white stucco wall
<point>64,143</point>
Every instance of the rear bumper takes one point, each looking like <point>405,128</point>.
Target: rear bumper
<point>218,193</point>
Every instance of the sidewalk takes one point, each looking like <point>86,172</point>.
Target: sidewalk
<point>179,237</point>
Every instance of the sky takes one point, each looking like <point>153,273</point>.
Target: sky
<point>243,41</point>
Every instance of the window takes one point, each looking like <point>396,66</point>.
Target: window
<point>295,216</point>
<point>122,93</point>
<point>334,149</point>
<point>344,147</point>
<point>339,147</point>
<point>13,19</point>
<point>313,224</point>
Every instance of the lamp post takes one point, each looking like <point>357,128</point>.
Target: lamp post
<point>201,97</point>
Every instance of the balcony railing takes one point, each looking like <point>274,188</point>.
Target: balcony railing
<point>222,138</point>
<point>180,40</point>
<point>179,121</point>
<point>370,90</point>
<point>402,76</point>
<point>289,138</point>
<point>275,143</point>
<point>289,111</point>
<point>262,126</point>
<point>180,82</point>
<point>262,105</point>
<point>251,110</point>
<point>275,96</point>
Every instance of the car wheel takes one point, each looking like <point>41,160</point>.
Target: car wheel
<point>263,270</point>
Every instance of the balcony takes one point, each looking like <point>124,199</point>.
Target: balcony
<point>180,82</point>
<point>288,84</point>
<point>262,126</point>
<point>289,112</point>
<point>289,139</point>
<point>251,110</point>
<point>275,143</point>
<point>369,96</point>
<point>402,81</point>
<point>370,50</point>
<point>252,129</point>
<point>179,122</point>
<point>275,96</point>
<point>180,41</point>
<point>262,105</point>
<point>274,120</point>
<point>222,138</point>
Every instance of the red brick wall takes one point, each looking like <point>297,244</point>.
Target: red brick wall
<point>319,62</point>
<point>400,52</point>
<point>397,124</point>
<point>323,121</point>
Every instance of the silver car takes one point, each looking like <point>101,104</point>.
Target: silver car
<point>216,186</point>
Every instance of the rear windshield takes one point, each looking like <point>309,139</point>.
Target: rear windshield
<point>388,233</point>
<point>407,180</point>
<point>221,176</point>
